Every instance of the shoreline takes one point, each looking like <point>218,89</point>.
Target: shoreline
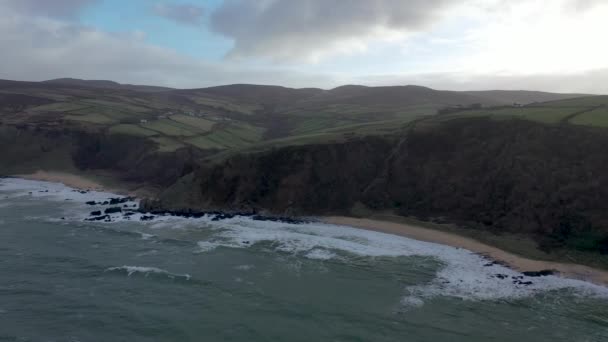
<point>412,231</point>
<point>513,261</point>
<point>68,179</point>
<point>72,180</point>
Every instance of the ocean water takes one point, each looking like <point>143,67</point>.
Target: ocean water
<point>174,279</point>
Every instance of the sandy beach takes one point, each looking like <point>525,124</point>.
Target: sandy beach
<point>513,261</point>
<point>71,180</point>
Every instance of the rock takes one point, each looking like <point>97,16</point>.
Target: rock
<point>91,203</point>
<point>105,203</point>
<point>98,218</point>
<point>501,276</point>
<point>542,273</point>
<point>96,213</point>
<point>147,218</point>
<point>113,210</point>
<point>118,200</point>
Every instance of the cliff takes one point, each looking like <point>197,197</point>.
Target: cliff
<point>550,181</point>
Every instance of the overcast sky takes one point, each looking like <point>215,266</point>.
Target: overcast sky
<point>557,45</point>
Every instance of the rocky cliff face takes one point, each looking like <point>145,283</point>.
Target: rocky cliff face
<point>312,179</point>
<point>550,181</point>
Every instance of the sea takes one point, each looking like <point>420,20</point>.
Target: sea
<point>167,278</point>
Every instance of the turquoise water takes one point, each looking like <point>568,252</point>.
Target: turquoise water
<point>173,279</point>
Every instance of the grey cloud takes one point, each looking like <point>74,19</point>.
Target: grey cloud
<point>35,49</point>
<point>292,29</point>
<point>185,14</point>
<point>50,8</point>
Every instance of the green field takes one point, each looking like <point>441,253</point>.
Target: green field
<point>90,118</point>
<point>230,119</point>
<point>60,107</point>
<point>170,128</point>
<point>166,144</point>
<point>597,117</point>
<point>199,123</point>
<point>132,130</point>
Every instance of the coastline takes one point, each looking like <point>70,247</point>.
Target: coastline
<point>68,179</point>
<point>75,181</point>
<point>513,261</point>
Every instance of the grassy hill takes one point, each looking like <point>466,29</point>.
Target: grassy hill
<point>241,116</point>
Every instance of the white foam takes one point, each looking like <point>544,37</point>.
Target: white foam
<point>207,246</point>
<point>244,267</point>
<point>146,236</point>
<point>464,274</point>
<point>147,270</point>
<point>320,254</point>
<point>17,187</point>
<point>411,302</point>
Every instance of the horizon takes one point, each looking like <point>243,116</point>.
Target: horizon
<point>467,45</point>
<point>297,88</point>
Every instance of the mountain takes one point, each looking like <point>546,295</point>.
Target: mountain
<point>75,82</point>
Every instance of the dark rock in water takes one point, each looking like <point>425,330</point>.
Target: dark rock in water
<point>63,218</point>
<point>83,192</point>
<point>98,218</point>
<point>118,200</point>
<point>128,214</point>
<point>542,273</point>
<point>501,276</point>
<point>490,264</point>
<point>246,242</point>
<point>113,210</point>
<point>517,282</point>
<point>105,203</point>
<point>290,220</point>
<point>96,213</point>
<point>91,202</point>
<point>147,218</point>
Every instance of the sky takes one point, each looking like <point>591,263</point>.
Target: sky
<point>557,45</point>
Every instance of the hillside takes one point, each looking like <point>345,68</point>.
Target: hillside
<point>232,117</point>
<point>535,169</point>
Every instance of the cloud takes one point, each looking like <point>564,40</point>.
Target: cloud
<point>310,29</point>
<point>50,8</point>
<point>185,14</point>
<point>40,48</point>
<point>39,44</point>
<point>583,5</point>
